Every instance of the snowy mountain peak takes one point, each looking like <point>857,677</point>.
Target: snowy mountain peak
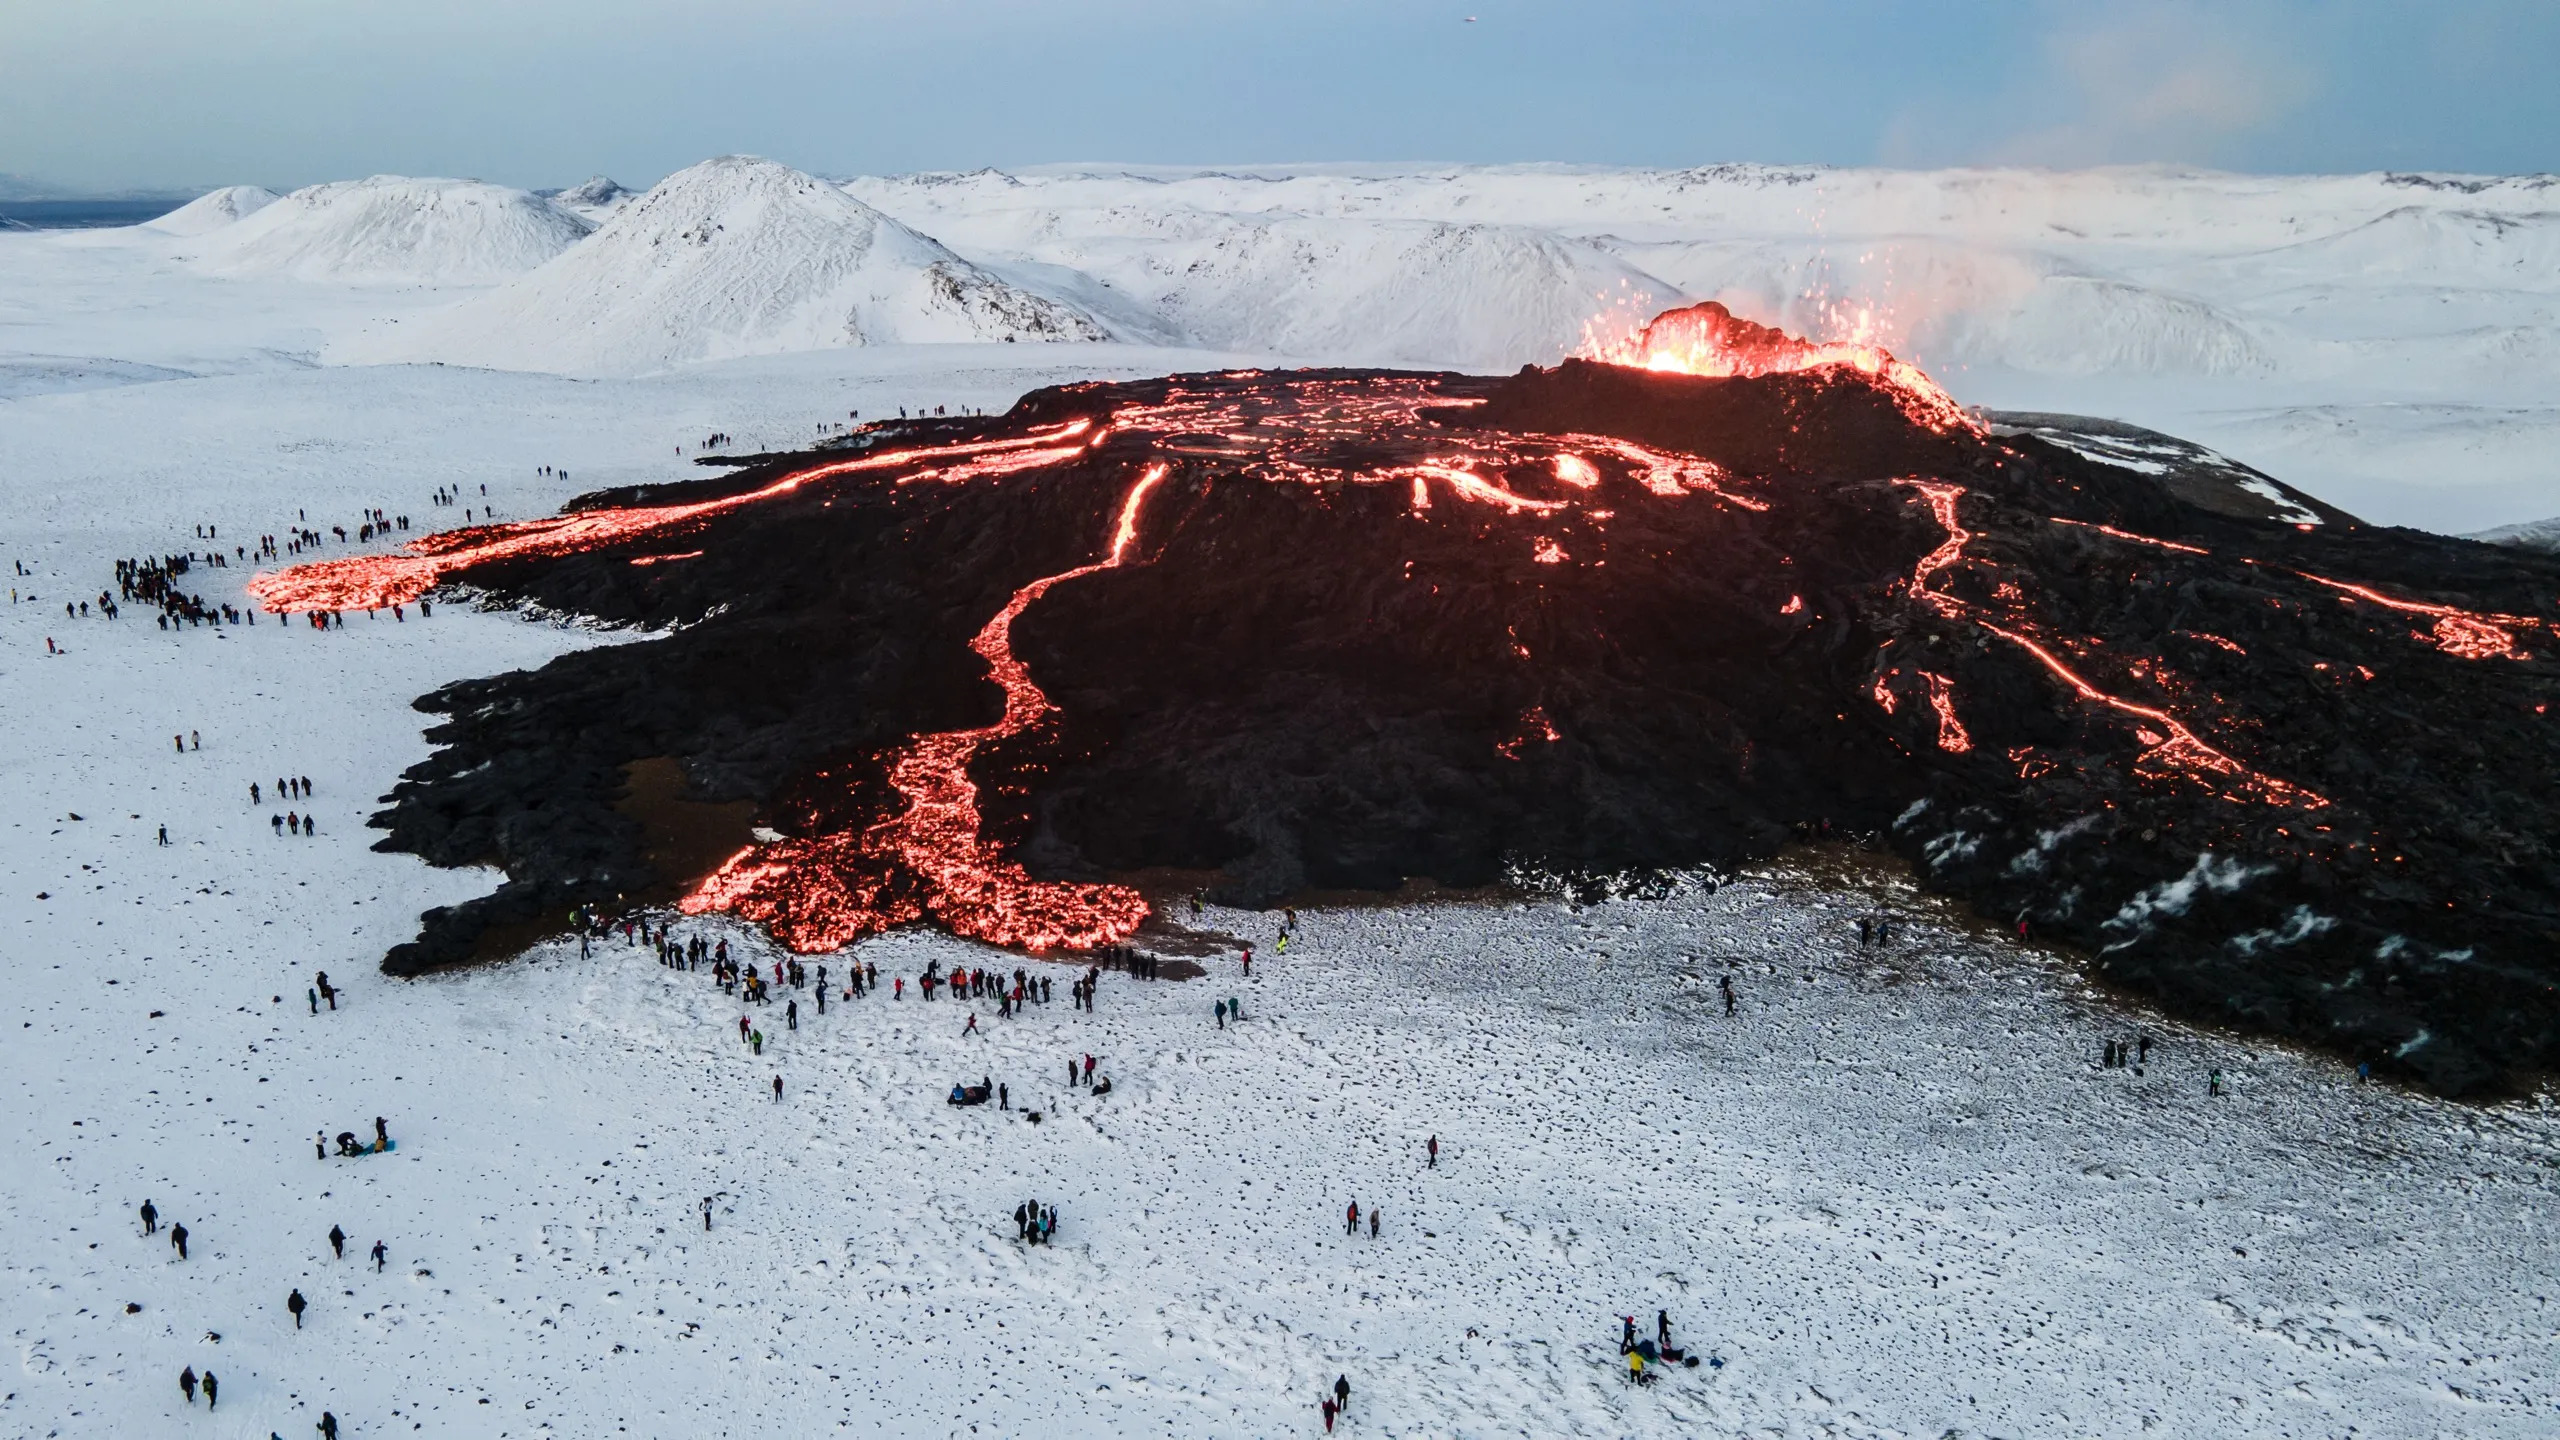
<point>594,198</point>
<point>213,211</point>
<point>736,256</point>
<point>396,228</point>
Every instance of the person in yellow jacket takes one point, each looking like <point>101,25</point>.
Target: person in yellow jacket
<point>1635,1367</point>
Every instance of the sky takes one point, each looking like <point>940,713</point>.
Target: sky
<point>103,95</point>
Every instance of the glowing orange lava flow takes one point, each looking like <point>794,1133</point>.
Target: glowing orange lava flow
<point>2173,747</point>
<point>2468,634</point>
<point>819,893</point>
<point>1708,339</point>
<point>370,582</point>
<point>2136,539</point>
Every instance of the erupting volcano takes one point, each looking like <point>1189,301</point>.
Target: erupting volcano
<point>1660,609</point>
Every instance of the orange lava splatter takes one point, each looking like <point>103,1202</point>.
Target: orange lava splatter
<point>1535,727</point>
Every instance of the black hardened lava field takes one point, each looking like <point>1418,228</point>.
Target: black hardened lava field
<point>1336,629</point>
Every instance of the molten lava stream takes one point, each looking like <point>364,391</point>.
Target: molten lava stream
<point>818,894</point>
<point>371,582</point>
<point>2464,633</point>
<point>2179,748</point>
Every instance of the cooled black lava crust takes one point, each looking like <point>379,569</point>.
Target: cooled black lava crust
<point>1314,685</point>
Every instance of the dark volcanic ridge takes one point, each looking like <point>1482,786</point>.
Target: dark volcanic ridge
<point>1339,629</point>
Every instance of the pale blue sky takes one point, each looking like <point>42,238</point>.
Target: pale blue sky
<point>141,93</point>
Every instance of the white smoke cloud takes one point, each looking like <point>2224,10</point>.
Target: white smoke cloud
<point>2173,84</point>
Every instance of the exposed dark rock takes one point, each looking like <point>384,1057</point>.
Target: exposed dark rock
<point>1302,681</point>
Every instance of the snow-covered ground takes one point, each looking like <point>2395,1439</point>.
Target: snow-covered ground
<point>1894,1195</point>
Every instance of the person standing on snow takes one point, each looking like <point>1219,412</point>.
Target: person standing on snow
<point>777,1089</point>
<point>178,1240</point>
<point>328,1426</point>
<point>338,1241</point>
<point>295,1303</point>
<point>212,1389</point>
<point>187,1383</point>
<point>1351,1219</point>
<point>1433,1149</point>
<point>1341,1383</point>
<point>1222,1014</point>
<point>150,1218</point>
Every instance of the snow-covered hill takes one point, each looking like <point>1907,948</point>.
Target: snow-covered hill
<point>735,256</point>
<point>2125,272</point>
<point>395,229</point>
<point>595,198</point>
<point>213,211</point>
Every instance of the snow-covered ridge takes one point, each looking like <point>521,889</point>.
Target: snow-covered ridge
<point>735,256</point>
<point>213,211</point>
<point>395,229</point>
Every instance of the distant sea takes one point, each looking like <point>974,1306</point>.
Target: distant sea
<point>85,214</point>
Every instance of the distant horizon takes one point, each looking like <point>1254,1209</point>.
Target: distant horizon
<point>164,96</point>
<point>25,190</point>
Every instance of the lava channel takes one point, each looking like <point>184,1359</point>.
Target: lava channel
<point>372,582</point>
<point>2171,747</point>
<point>932,858</point>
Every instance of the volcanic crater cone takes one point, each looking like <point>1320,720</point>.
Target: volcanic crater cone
<point>1338,629</point>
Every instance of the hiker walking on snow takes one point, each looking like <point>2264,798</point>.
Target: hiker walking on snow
<point>328,1426</point>
<point>1433,1148</point>
<point>381,1252</point>
<point>973,1024</point>
<point>1341,1383</point>
<point>1222,1014</point>
<point>1351,1219</point>
<point>1727,982</point>
<point>212,1389</point>
<point>150,1218</point>
<point>338,1241</point>
<point>187,1383</point>
<point>295,1303</point>
<point>178,1240</point>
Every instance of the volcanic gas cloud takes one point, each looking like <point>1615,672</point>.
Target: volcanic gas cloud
<point>1661,609</point>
